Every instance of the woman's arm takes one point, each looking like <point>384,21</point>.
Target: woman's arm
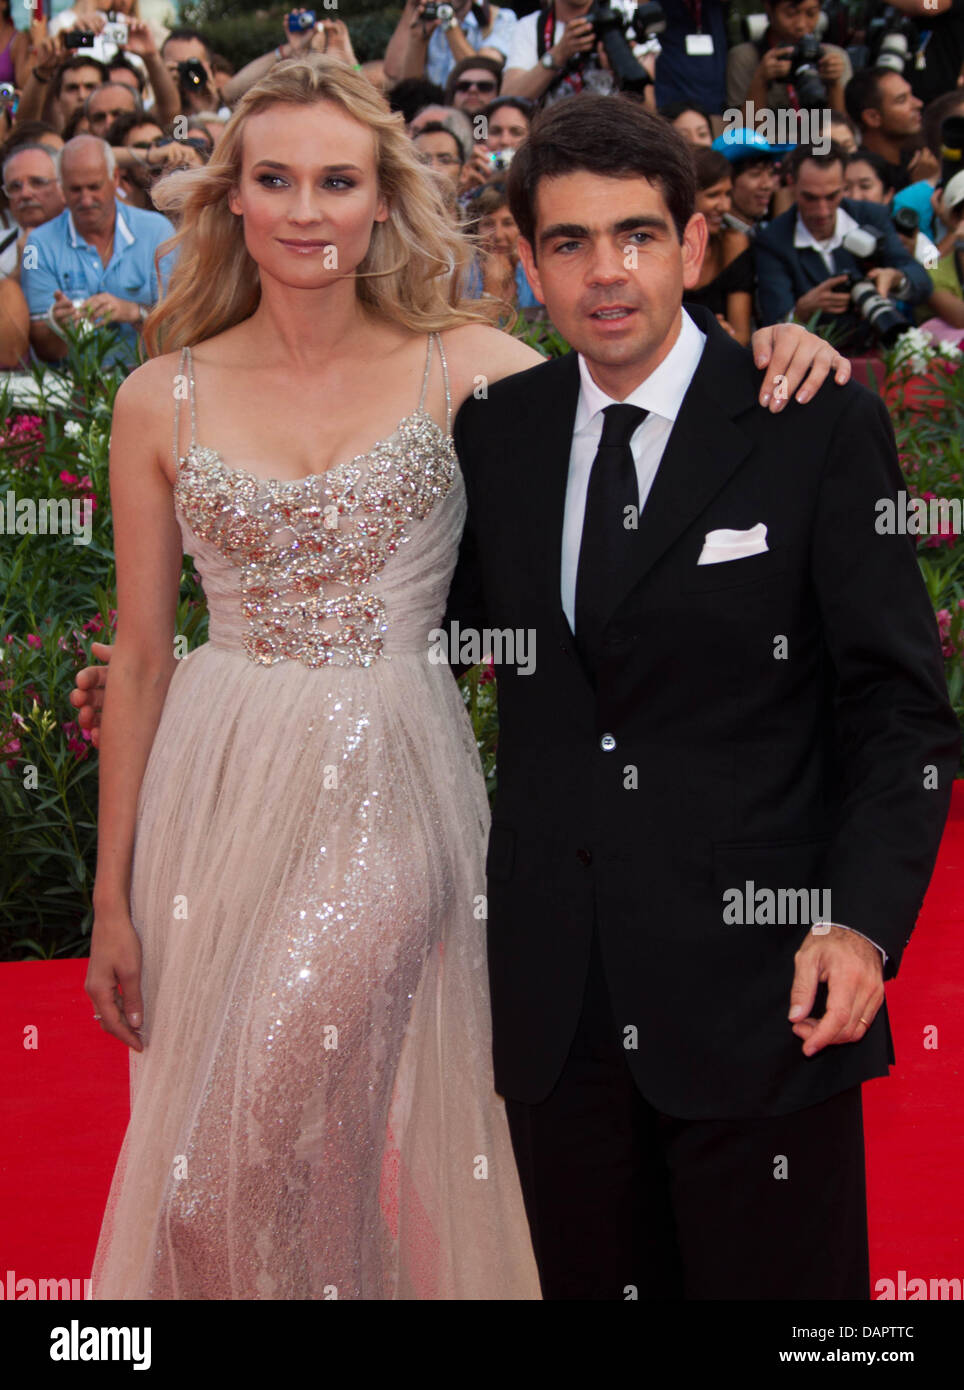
<point>739,314</point>
<point>148,552</point>
<point>948,306</point>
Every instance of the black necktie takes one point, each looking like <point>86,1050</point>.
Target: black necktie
<point>607,552</point>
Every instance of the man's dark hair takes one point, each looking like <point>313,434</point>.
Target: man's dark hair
<point>121,64</point>
<point>433,128</point>
<point>752,161</point>
<point>122,125</point>
<point>411,94</point>
<point>862,92</point>
<point>602,135</point>
<point>187,34</point>
<point>26,133</point>
<point>833,154</point>
<point>79,60</point>
<point>523,105</point>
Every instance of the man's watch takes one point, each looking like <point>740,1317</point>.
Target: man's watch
<point>142,312</point>
<point>548,64</point>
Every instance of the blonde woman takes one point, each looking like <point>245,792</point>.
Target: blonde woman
<point>292,819</point>
<point>289,898</point>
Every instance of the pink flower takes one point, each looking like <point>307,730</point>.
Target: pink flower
<point>33,640</point>
<point>69,479</point>
<point>94,624</point>
<point>944,628</point>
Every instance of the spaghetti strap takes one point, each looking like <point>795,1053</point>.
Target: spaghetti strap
<point>445,378</point>
<point>185,362</point>
<point>432,338</point>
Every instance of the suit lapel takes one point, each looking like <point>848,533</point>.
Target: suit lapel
<point>540,449</point>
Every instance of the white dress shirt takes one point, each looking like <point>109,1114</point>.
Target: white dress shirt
<point>803,237</point>
<point>662,395</point>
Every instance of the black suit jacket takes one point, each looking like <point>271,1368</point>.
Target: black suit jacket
<point>784,272</point>
<point>730,763</point>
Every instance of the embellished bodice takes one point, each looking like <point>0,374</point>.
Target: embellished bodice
<point>337,568</point>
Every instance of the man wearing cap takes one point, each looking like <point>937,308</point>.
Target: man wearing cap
<point>754,162</point>
<point>802,261</point>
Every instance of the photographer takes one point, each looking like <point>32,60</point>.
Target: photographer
<point>777,74</point>
<point>557,53</point>
<point>947,297</point>
<point>187,57</point>
<point>428,44</point>
<point>889,115</point>
<point>804,266</point>
<point>935,52</point>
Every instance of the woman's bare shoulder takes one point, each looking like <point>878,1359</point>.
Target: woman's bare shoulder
<point>476,350</point>
<point>150,388</point>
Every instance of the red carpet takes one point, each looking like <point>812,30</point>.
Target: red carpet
<point>63,1092</point>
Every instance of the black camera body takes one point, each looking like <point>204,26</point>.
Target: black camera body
<point>79,38</point>
<point>611,26</point>
<point>191,74</point>
<point>809,85</point>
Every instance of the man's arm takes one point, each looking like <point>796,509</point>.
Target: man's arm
<point>897,734</point>
<point>895,254</point>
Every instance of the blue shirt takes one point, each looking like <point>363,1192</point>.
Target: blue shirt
<point>65,261</point>
<point>439,61</point>
<point>918,196</point>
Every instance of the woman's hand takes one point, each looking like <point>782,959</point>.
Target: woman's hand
<point>794,358</point>
<point>113,981</point>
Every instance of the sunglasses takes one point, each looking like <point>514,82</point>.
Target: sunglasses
<point>463,87</point>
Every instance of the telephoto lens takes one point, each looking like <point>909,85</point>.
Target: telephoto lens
<point>885,320</point>
<point>906,221</point>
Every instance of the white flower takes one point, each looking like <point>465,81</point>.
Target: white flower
<point>73,430</point>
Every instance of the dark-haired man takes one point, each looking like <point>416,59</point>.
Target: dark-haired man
<point>884,106</point>
<point>802,263</point>
<point>738,699</point>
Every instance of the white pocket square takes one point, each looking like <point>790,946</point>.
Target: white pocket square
<point>733,545</point>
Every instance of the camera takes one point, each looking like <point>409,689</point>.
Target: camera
<point>191,73</point>
<point>880,314</point>
<point>443,13</point>
<point>79,38</point>
<point>610,27</point>
<point>906,221</point>
<point>116,31</point>
<point>500,160</point>
<point>810,87</point>
<point>301,23</point>
<point>891,39</point>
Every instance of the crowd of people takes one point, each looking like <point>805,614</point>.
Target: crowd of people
<point>830,174</point>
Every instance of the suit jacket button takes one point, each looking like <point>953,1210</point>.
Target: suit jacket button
<point>584,856</point>
<point>607,743</point>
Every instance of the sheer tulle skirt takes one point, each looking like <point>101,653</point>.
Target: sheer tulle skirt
<point>313,1114</point>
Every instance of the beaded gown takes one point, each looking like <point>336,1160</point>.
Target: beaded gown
<point>313,1114</point>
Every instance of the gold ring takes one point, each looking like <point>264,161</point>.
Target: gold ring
<point>864,1022</point>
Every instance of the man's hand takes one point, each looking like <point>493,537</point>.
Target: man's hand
<point>793,356</point>
<point>87,695</point>
<point>831,67</point>
<point>140,40</point>
<point>63,309</point>
<point>886,279</point>
<point>579,36</point>
<point>104,308</point>
<point>775,64</point>
<point>854,973</point>
<point>336,41</point>
<point>824,298</point>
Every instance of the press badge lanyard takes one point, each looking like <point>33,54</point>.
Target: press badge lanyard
<point>698,45</point>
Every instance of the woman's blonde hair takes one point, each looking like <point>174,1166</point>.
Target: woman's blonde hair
<point>415,266</point>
